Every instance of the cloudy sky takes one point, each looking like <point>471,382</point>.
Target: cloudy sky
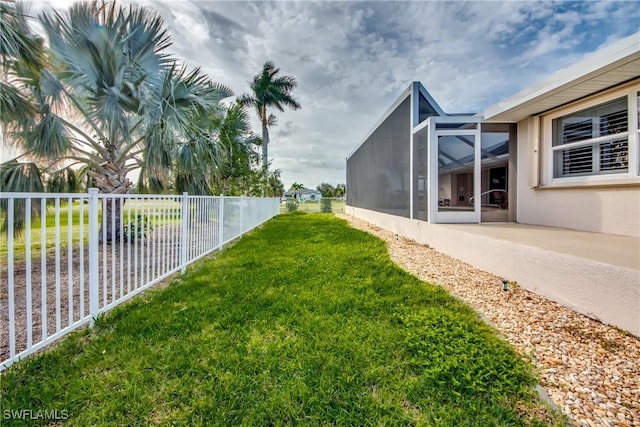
<point>353,59</point>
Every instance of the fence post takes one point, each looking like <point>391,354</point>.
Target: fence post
<point>241,215</point>
<point>221,221</point>
<point>94,274</point>
<point>184,219</point>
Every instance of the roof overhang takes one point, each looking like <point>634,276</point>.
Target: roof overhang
<point>412,90</point>
<point>608,67</point>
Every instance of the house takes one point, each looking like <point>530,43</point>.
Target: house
<point>303,195</point>
<point>542,188</point>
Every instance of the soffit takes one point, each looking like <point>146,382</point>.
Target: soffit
<point>610,67</point>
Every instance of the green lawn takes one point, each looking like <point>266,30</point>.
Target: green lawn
<point>305,321</point>
<point>50,224</point>
<point>20,242</point>
<point>337,206</point>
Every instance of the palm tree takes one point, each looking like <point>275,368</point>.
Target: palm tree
<point>20,53</point>
<point>270,90</point>
<point>236,144</point>
<point>183,136</point>
<point>19,49</point>
<point>111,99</point>
<point>296,187</point>
<point>111,69</point>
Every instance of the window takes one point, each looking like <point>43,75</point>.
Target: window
<point>593,141</point>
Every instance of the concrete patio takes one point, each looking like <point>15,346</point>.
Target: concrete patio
<point>592,273</point>
<point>622,251</point>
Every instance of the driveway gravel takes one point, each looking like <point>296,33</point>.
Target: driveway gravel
<point>590,370</point>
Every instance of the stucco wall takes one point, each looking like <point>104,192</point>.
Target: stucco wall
<point>611,210</point>
<point>603,291</point>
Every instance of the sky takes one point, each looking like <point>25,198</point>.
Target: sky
<point>353,59</point>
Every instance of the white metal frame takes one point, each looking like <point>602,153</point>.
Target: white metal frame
<point>183,229</point>
<point>434,216</point>
<point>412,91</point>
<point>413,118</point>
<point>631,175</point>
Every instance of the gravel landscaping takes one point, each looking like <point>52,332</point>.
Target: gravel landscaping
<point>590,370</point>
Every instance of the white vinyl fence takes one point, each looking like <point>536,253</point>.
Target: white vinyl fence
<point>79,255</point>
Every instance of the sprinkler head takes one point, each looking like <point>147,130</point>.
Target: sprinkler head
<point>505,285</point>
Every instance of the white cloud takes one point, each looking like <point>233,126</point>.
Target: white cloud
<point>353,59</point>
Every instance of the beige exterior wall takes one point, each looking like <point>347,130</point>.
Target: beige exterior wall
<point>607,292</point>
<point>603,204</point>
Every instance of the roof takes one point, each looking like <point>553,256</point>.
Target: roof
<point>424,105</point>
<point>608,67</point>
<point>301,192</point>
<point>308,191</point>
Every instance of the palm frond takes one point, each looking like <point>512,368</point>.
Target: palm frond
<point>149,184</point>
<point>189,175</point>
<point>272,120</point>
<point>189,111</point>
<point>160,142</point>
<point>14,104</point>
<point>111,58</point>
<point>247,100</point>
<point>17,41</point>
<point>21,177</point>
<point>192,184</point>
<point>47,137</point>
<point>63,181</point>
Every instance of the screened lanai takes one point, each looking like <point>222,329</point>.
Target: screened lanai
<point>421,163</point>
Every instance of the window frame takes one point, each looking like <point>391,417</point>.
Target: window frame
<point>631,175</point>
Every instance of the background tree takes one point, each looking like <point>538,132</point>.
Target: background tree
<point>63,181</point>
<point>270,90</point>
<point>259,183</point>
<point>340,190</point>
<point>236,152</point>
<point>275,187</point>
<point>296,187</point>
<point>327,190</point>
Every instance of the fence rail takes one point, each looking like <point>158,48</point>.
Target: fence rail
<point>67,258</point>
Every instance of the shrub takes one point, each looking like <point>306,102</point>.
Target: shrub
<point>325,205</point>
<point>292,206</point>
<point>138,228</point>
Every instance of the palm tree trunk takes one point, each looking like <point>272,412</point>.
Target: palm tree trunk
<point>265,147</point>
<point>112,180</point>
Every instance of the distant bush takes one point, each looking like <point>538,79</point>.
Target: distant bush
<point>292,206</point>
<point>325,205</point>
